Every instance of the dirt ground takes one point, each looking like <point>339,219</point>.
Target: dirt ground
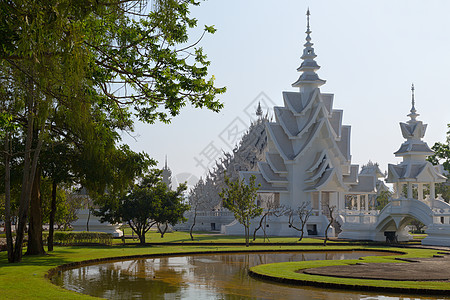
<point>420,269</point>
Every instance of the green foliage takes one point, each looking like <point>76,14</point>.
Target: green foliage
<point>146,203</point>
<point>74,73</point>
<point>240,199</point>
<point>442,153</point>
<point>383,199</point>
<point>442,156</point>
<point>81,237</point>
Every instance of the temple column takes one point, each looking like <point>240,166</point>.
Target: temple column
<point>320,203</point>
<point>432,191</point>
<point>366,198</point>
<point>410,190</point>
<point>420,191</point>
<point>358,203</point>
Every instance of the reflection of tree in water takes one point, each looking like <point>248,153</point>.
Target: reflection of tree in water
<point>220,276</point>
<point>130,279</point>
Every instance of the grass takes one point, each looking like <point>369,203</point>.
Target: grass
<point>27,280</point>
<point>288,270</point>
<point>203,237</point>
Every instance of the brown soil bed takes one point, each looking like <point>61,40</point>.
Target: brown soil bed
<point>420,269</point>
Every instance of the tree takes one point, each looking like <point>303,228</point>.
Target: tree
<point>240,198</point>
<point>272,209</point>
<point>144,204</point>
<point>198,198</point>
<point>417,225</point>
<point>383,199</point>
<point>69,56</point>
<point>442,156</point>
<point>303,212</point>
<point>170,209</point>
<point>330,212</point>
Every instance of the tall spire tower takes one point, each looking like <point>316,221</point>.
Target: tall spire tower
<point>167,175</point>
<point>413,149</point>
<point>308,80</point>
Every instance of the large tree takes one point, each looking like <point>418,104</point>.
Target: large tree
<point>99,63</point>
<point>145,204</point>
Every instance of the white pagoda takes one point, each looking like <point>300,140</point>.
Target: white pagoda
<point>308,155</point>
<point>414,197</point>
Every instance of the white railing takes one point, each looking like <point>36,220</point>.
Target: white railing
<point>213,213</point>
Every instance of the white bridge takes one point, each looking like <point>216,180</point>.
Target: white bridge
<point>394,218</point>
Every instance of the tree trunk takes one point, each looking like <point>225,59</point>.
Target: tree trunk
<point>141,237</point>
<point>162,232</point>
<point>27,182</point>
<point>247,234</point>
<point>52,217</point>
<point>259,227</point>
<point>9,240</point>
<point>193,224</point>
<point>89,216</point>
<point>302,232</point>
<point>29,171</point>
<point>35,243</point>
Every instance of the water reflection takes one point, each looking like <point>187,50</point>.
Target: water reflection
<point>213,276</point>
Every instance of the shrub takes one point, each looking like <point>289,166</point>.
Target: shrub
<point>80,237</point>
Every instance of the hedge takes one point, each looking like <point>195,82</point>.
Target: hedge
<point>80,237</point>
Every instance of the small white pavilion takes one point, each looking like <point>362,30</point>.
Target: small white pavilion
<point>414,172</point>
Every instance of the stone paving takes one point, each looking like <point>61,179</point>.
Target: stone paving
<point>420,269</point>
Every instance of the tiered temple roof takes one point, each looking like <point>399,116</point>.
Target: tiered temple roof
<point>308,137</point>
<point>414,151</point>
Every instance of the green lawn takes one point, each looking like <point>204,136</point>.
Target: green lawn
<point>27,280</point>
<point>204,237</point>
<point>289,270</point>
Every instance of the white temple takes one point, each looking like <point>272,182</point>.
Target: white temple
<point>308,156</point>
<point>308,160</point>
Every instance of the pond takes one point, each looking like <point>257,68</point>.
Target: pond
<point>205,276</point>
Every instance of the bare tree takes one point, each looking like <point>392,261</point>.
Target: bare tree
<point>304,211</point>
<point>272,209</point>
<point>198,199</point>
<point>330,209</point>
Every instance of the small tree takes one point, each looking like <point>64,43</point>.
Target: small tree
<point>170,209</point>
<point>304,211</point>
<point>197,199</point>
<point>417,225</point>
<point>240,198</point>
<point>330,209</point>
<point>272,209</point>
<point>383,199</point>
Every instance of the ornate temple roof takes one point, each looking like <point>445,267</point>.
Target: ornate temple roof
<point>308,136</point>
<point>417,172</point>
<point>309,66</point>
<point>414,167</point>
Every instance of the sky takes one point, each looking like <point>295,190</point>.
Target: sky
<point>370,52</point>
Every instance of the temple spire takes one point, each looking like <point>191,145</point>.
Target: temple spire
<point>413,115</point>
<point>307,18</point>
<point>309,80</point>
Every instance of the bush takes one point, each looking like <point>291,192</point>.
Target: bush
<point>80,237</point>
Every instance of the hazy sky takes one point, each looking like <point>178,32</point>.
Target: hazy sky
<point>369,52</point>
